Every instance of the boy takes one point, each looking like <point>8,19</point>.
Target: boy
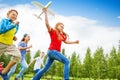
<point>8,29</point>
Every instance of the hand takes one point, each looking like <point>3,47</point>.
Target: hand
<point>77,41</point>
<point>15,38</point>
<point>30,46</point>
<point>16,22</point>
<point>44,10</point>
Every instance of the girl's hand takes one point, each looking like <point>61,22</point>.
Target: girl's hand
<point>30,46</point>
<point>44,10</point>
<point>77,41</point>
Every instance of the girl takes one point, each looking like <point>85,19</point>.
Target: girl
<point>8,29</point>
<point>22,47</point>
<point>57,35</point>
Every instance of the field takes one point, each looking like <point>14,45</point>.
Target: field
<point>29,77</point>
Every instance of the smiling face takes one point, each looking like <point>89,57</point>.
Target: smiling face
<point>59,26</point>
<point>12,14</point>
<point>27,38</point>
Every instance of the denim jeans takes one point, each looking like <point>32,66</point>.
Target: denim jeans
<point>36,70</point>
<point>54,55</point>
<point>12,70</point>
<point>24,66</point>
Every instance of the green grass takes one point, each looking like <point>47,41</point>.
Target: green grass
<point>30,76</point>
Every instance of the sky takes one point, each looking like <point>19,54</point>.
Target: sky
<point>95,23</point>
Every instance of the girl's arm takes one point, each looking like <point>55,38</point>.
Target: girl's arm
<point>72,42</point>
<point>23,48</point>
<point>46,19</point>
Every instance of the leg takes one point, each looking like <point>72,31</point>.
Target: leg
<point>36,70</point>
<point>7,68</point>
<point>39,74</point>
<point>60,57</point>
<point>24,66</point>
<point>12,70</point>
<point>14,52</point>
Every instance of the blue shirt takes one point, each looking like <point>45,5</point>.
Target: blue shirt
<point>6,24</point>
<point>23,52</point>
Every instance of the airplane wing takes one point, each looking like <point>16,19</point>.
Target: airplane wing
<point>50,12</point>
<point>38,4</point>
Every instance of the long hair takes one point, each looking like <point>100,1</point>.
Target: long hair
<point>58,33</point>
<point>23,39</point>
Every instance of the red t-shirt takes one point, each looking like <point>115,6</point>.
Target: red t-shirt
<point>55,42</point>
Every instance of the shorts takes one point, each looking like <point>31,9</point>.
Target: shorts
<point>10,50</point>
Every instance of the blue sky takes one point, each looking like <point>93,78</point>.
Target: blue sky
<point>104,11</point>
<point>95,23</point>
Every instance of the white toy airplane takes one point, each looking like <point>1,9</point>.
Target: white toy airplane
<point>41,6</point>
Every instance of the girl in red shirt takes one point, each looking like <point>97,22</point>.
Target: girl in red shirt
<point>57,36</point>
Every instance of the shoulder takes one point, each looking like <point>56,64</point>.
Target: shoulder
<point>5,19</point>
<point>37,58</point>
<point>52,30</point>
<point>21,43</point>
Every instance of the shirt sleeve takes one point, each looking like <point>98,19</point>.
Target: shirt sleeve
<point>6,25</point>
<point>21,44</point>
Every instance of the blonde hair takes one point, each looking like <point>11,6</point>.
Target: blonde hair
<point>11,11</point>
<point>58,33</point>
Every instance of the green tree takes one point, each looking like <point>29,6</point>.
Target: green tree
<point>74,63</point>
<point>112,64</point>
<point>99,64</point>
<point>87,64</point>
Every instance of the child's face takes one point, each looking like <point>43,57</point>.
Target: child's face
<point>60,27</point>
<point>27,37</point>
<point>12,15</point>
<point>41,54</point>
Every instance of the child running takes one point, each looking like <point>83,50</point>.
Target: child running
<point>57,36</point>
<point>38,62</point>
<point>8,29</point>
<point>22,47</point>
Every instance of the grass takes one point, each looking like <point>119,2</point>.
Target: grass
<point>30,76</point>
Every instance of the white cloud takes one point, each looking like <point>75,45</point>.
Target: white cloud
<point>118,17</point>
<point>86,30</point>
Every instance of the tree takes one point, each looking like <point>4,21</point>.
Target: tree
<point>87,64</point>
<point>112,64</point>
<point>99,64</point>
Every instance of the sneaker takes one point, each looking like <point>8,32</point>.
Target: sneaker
<point>4,76</point>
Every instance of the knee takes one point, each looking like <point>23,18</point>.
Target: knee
<point>67,62</point>
<point>25,67</point>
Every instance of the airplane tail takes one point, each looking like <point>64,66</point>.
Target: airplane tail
<point>37,16</point>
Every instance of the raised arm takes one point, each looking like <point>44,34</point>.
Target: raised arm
<point>46,19</point>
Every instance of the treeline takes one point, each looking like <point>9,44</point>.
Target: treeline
<point>97,65</point>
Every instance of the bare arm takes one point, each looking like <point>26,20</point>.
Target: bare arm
<point>23,48</point>
<point>31,62</point>
<point>72,42</point>
<point>46,19</point>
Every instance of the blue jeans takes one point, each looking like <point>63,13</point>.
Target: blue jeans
<point>12,70</point>
<point>54,55</point>
<point>24,66</point>
<point>36,70</point>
